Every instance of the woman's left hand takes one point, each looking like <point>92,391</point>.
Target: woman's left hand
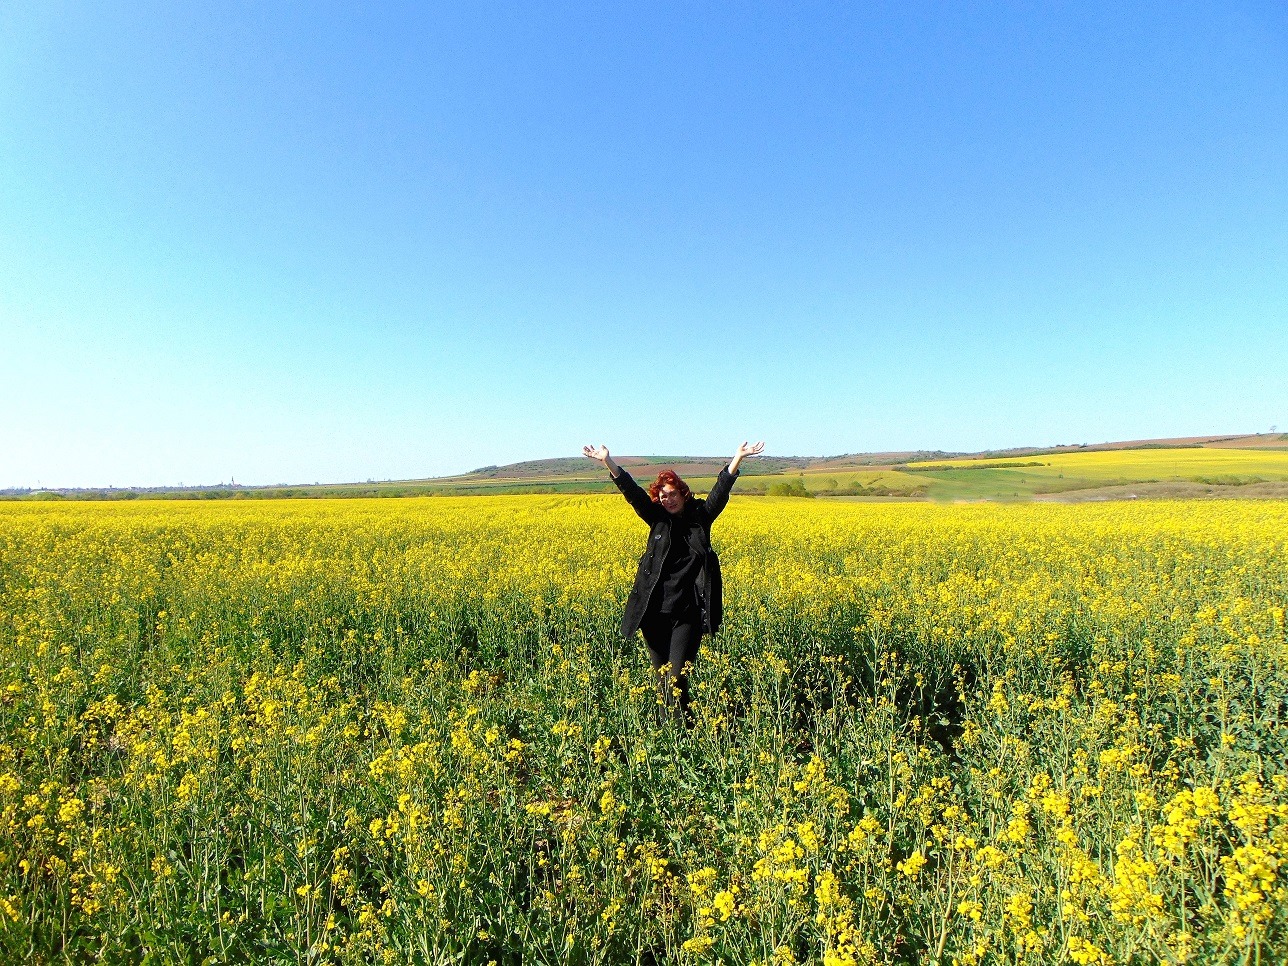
<point>744,451</point>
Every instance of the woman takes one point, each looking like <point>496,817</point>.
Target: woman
<point>677,592</point>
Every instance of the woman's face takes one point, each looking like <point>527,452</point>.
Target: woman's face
<point>672,500</point>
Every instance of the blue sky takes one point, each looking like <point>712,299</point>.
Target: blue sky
<point>320,242</point>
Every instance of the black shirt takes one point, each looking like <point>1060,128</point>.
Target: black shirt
<point>676,591</point>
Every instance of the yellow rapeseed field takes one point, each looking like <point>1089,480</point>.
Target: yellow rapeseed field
<point>1136,465</point>
<point>405,731</point>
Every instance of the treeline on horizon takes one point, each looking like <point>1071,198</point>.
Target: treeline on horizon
<point>769,476</point>
<point>757,487</point>
<point>239,493</point>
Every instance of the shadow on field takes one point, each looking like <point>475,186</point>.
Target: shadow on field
<point>830,676</point>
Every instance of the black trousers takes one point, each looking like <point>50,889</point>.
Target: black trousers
<point>672,641</point>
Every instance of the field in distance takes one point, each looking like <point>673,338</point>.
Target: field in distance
<point>1252,465</point>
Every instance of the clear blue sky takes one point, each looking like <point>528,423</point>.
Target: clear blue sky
<point>320,242</point>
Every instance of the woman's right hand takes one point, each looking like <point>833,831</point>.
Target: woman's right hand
<point>600,453</point>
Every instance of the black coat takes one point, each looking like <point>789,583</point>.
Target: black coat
<point>649,572</point>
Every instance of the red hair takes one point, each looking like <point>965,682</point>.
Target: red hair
<point>668,477</point>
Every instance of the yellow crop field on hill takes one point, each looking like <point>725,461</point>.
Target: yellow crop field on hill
<point>406,731</point>
<point>1144,464</point>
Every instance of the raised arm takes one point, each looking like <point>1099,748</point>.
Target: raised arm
<point>644,508</point>
<point>755,449</point>
<point>719,494</point>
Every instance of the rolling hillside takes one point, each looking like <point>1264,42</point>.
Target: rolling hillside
<point>1250,465</point>
<point>1207,466</point>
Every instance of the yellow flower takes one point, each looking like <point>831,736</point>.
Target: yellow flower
<point>1086,953</point>
<point>698,944</point>
<point>726,903</point>
<point>912,865</point>
<point>700,882</point>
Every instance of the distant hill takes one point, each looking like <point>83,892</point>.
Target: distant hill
<point>565,466</point>
<point>1231,465</point>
